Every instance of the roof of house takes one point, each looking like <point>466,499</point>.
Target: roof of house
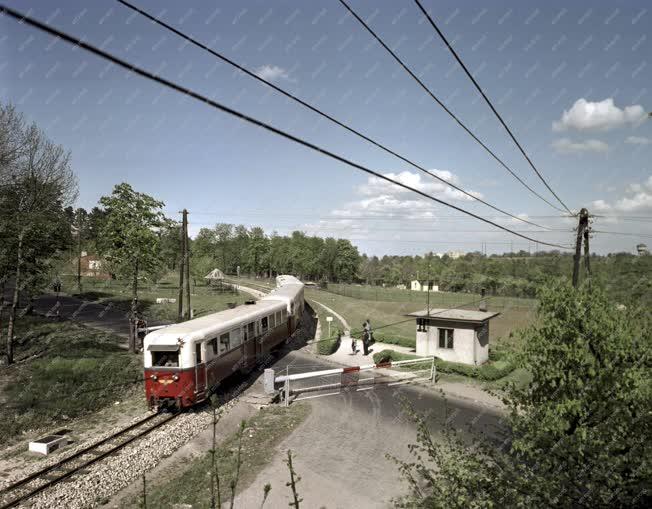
<point>458,315</point>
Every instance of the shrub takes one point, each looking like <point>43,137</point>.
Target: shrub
<point>395,340</point>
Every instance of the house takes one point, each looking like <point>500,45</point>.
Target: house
<point>455,335</point>
<point>91,266</point>
<point>419,286</point>
<point>642,250</point>
<point>401,287</point>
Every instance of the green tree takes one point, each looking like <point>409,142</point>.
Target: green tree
<point>130,235</point>
<point>36,184</point>
<point>580,431</point>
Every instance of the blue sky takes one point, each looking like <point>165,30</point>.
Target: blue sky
<point>573,81</point>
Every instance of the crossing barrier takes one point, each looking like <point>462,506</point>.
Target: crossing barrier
<point>344,377</point>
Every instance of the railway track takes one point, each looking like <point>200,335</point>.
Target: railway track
<point>35,483</point>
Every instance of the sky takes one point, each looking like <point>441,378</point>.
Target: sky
<point>571,79</point>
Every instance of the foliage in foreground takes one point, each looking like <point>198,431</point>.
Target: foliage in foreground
<point>236,461</point>
<point>581,429</point>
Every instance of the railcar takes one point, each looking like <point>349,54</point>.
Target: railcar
<point>185,362</point>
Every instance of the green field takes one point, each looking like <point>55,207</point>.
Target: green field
<point>402,330</point>
<point>437,299</point>
<point>63,370</point>
<point>204,299</point>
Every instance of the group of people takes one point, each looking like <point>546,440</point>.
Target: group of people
<point>367,338</point>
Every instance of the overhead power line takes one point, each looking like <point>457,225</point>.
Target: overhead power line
<point>444,107</point>
<point>500,118</point>
<point>314,109</point>
<point>24,19</point>
<point>627,234</point>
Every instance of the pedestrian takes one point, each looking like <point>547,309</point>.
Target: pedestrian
<point>354,345</point>
<point>365,339</point>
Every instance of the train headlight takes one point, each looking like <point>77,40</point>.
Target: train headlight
<point>175,378</point>
<point>154,377</point>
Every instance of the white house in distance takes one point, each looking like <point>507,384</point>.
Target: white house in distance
<point>455,335</point>
<point>418,286</point>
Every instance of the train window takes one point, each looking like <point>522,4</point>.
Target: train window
<point>284,315</point>
<point>198,353</point>
<point>279,320</point>
<point>272,321</point>
<point>167,359</point>
<point>235,338</point>
<point>251,330</point>
<point>264,323</point>
<point>214,345</point>
<point>224,342</point>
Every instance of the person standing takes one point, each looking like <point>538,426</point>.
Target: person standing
<point>365,337</point>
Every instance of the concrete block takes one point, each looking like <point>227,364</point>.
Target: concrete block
<point>48,444</point>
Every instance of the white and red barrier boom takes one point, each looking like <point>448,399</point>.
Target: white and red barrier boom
<point>271,380</point>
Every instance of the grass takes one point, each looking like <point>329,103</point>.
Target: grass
<point>204,298</point>
<point>437,299</point>
<point>63,370</point>
<point>261,435</point>
<point>328,344</point>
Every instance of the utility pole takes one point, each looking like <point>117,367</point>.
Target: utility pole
<point>187,260</point>
<point>581,228</point>
<point>587,253</point>
<point>79,251</point>
<point>182,261</point>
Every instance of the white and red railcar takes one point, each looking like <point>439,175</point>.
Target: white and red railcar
<point>184,362</point>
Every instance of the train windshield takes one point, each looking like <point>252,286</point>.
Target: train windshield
<point>165,359</point>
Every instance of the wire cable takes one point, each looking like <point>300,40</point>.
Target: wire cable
<point>315,109</point>
<point>477,86</point>
<point>445,108</point>
<point>27,20</point>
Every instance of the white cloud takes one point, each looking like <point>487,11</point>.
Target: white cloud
<point>599,116</point>
<point>638,197</point>
<point>272,73</point>
<point>638,140</point>
<point>378,187</point>
<point>567,146</point>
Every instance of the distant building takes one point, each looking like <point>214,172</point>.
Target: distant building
<point>422,286</point>
<point>454,255</point>
<point>642,250</point>
<point>214,275</point>
<point>455,335</point>
<point>91,266</point>
<point>401,287</point>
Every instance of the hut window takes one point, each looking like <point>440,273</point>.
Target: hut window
<point>445,338</point>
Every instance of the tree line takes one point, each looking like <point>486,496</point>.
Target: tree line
<point>625,276</point>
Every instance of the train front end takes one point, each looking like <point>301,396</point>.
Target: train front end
<point>167,383</point>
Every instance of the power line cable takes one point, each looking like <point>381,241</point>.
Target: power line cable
<point>500,118</point>
<point>24,19</point>
<point>445,108</point>
<point>314,109</point>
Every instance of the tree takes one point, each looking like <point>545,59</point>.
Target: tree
<point>36,184</point>
<point>129,238</point>
<point>579,431</point>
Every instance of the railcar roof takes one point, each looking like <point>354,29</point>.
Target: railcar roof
<point>214,321</point>
<point>288,290</point>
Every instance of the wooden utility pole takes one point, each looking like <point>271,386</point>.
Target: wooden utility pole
<point>182,256</point>
<point>587,254</point>
<point>79,256</point>
<point>581,228</point>
<point>187,260</point>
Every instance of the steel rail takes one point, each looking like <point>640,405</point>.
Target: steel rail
<point>85,451</point>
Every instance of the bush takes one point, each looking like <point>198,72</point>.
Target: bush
<point>487,372</point>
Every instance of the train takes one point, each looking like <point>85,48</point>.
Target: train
<point>185,362</point>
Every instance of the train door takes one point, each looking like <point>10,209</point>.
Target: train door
<point>200,370</point>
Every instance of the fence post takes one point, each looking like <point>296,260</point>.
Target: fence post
<point>433,372</point>
<point>287,393</point>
